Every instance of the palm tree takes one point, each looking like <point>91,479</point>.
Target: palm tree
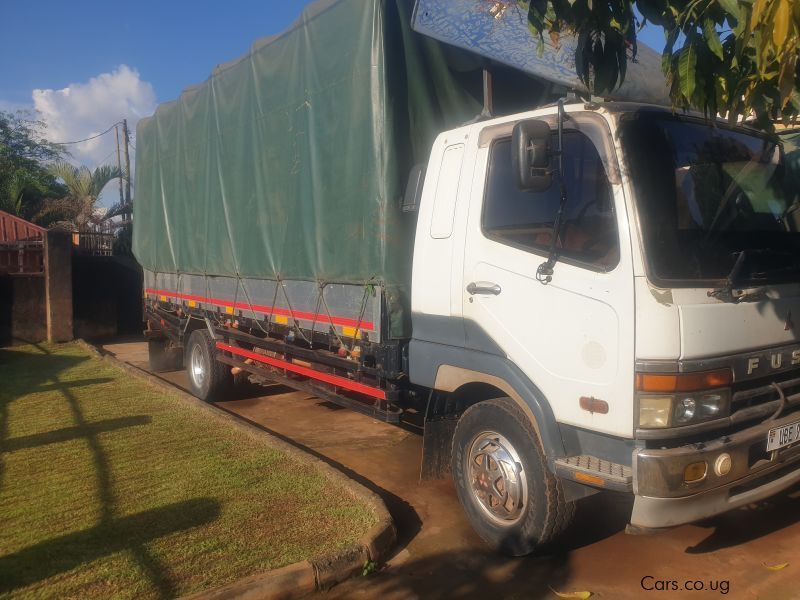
<point>16,188</point>
<point>79,207</point>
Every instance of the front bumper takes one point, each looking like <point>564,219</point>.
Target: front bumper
<point>663,499</point>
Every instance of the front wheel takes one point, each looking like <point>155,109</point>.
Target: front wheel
<point>209,379</point>
<point>509,496</point>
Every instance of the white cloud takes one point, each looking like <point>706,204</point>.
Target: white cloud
<point>82,110</point>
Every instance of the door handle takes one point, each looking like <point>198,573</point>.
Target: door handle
<point>486,288</point>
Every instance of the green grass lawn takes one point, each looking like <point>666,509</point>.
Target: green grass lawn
<point>110,487</point>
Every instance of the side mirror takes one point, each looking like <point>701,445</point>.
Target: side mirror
<point>413,195</point>
<point>531,155</point>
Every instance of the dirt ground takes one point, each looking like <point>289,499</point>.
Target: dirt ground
<point>439,556</point>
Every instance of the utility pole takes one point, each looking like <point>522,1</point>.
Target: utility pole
<point>127,163</point>
<point>119,166</point>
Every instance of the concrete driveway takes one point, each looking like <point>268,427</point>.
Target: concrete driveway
<point>438,555</point>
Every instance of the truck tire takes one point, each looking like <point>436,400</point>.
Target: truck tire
<point>163,356</point>
<point>512,500</point>
<point>209,379</point>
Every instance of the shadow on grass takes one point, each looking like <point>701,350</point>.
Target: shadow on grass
<point>64,553</point>
<point>72,384</point>
<point>24,373</point>
<point>72,433</point>
<point>42,370</point>
<point>48,365</point>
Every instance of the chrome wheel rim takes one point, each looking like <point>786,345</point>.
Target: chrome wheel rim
<point>197,367</point>
<point>496,478</point>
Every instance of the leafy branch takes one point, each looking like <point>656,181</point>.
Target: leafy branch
<point>738,58</point>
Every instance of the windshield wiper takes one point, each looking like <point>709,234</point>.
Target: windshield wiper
<point>725,293</point>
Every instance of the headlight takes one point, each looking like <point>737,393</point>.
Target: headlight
<point>654,411</point>
<point>711,405</point>
<point>685,409</point>
<point>678,399</point>
<point>676,410</point>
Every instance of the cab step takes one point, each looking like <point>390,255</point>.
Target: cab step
<point>596,472</point>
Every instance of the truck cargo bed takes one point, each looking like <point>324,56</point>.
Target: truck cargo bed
<point>337,309</point>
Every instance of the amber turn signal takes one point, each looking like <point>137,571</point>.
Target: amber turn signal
<point>683,382</point>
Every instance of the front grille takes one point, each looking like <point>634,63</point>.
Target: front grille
<point>759,481</point>
<point>759,399</point>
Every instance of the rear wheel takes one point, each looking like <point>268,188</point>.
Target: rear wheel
<point>208,379</point>
<point>163,356</point>
<point>509,496</point>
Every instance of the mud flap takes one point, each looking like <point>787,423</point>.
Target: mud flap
<point>437,445</point>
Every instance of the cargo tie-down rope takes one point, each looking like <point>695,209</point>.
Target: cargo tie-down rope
<point>321,301</point>
<point>315,317</point>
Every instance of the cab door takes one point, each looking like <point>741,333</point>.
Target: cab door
<point>574,336</point>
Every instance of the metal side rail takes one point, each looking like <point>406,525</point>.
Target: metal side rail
<point>375,403</point>
<point>162,324</point>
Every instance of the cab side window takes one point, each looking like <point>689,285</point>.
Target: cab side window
<point>526,219</point>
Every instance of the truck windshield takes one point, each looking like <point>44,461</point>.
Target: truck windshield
<point>713,202</point>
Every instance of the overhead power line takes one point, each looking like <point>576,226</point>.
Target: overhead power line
<point>103,162</point>
<point>89,138</point>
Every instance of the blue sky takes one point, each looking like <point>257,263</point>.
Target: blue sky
<point>171,43</point>
<point>94,62</point>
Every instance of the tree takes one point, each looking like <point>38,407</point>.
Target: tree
<point>19,188</point>
<point>736,57</point>
<point>78,209</point>
<point>24,179</point>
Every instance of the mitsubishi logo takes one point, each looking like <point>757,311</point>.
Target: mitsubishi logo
<point>789,325</point>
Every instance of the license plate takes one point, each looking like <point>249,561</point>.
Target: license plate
<point>780,437</point>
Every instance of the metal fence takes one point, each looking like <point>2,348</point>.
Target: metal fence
<point>93,244</point>
<point>26,257</point>
<point>22,257</point>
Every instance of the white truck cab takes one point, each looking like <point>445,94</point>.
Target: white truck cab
<point>645,341</point>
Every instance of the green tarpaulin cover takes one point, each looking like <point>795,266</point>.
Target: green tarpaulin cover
<point>290,162</point>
